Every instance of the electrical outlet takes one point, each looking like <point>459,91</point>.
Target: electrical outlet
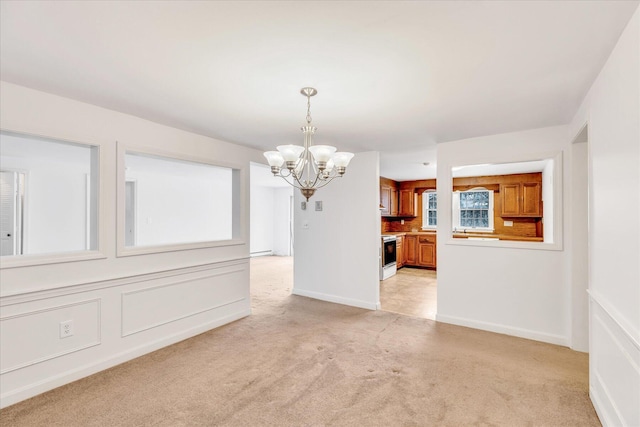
<point>66,328</point>
<point>508,223</point>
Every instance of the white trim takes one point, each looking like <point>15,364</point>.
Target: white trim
<point>425,218</point>
<point>455,218</point>
<point>504,329</point>
<point>75,288</point>
<point>239,238</point>
<point>445,224</point>
<point>626,328</point>
<point>62,257</point>
<point>336,299</point>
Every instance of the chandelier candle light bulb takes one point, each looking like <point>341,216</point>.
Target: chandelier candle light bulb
<point>308,167</point>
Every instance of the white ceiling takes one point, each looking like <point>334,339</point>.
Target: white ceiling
<point>393,76</point>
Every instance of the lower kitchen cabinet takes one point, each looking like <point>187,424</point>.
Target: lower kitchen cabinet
<point>409,249</point>
<point>419,250</point>
<point>400,252</point>
<point>427,251</point>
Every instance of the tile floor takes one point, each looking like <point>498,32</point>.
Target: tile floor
<point>412,291</point>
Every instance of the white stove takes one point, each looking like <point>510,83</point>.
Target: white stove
<point>388,266</point>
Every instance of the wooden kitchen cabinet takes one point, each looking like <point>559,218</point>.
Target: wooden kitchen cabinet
<point>427,251</point>
<point>521,199</point>
<point>388,197</point>
<point>385,200</point>
<point>408,203</point>
<point>393,202</point>
<point>399,251</point>
<point>419,250</point>
<point>410,246</point>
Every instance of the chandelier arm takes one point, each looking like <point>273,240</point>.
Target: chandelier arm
<point>328,181</point>
<point>291,183</point>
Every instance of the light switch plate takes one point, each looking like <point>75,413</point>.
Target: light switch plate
<point>319,205</point>
<point>303,206</point>
<point>508,223</point>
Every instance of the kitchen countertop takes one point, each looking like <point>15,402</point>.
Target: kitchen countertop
<point>466,235</point>
<point>410,233</point>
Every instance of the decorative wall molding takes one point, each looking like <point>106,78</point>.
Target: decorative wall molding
<point>61,378</point>
<point>91,343</point>
<point>180,287</point>
<point>613,363</point>
<point>20,298</point>
<point>613,314</point>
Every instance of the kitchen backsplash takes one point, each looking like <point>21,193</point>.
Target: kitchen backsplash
<point>395,224</point>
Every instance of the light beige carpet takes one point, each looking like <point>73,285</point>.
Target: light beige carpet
<point>302,362</point>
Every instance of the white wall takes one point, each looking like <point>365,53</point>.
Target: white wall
<point>282,226</point>
<point>270,213</point>
<point>179,202</point>
<point>107,297</point>
<point>612,112</point>
<point>518,291</point>
<point>337,250</point>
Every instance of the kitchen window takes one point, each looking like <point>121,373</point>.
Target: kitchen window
<point>429,210</point>
<point>473,209</point>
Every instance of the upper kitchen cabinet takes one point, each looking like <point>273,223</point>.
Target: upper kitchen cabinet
<point>385,200</point>
<point>408,203</point>
<point>388,197</point>
<point>521,199</point>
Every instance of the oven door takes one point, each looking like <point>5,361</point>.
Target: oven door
<point>388,251</point>
<point>388,257</point>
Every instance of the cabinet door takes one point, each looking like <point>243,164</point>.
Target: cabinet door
<point>427,251</point>
<point>408,199</point>
<point>531,199</point>
<point>510,196</point>
<point>393,202</point>
<point>410,243</point>
<point>399,252</point>
<point>385,200</point>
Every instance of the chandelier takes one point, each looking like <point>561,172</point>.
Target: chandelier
<point>308,167</point>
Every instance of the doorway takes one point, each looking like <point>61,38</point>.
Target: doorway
<point>580,212</point>
<point>12,197</point>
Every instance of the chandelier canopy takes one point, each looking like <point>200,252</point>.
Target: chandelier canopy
<point>308,167</point>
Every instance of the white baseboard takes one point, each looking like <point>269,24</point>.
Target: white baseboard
<point>334,298</point>
<point>260,253</point>
<point>504,329</point>
<point>49,383</point>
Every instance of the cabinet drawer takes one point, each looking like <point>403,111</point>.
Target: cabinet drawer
<point>426,239</point>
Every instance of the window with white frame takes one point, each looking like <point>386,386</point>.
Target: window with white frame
<point>429,210</point>
<point>473,210</point>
